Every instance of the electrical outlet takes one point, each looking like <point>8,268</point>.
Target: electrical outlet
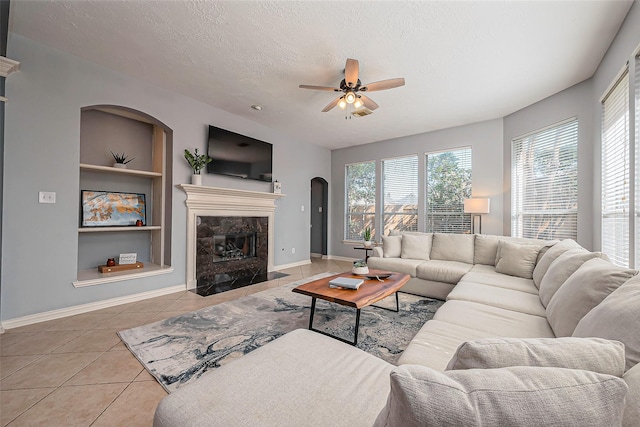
<point>293,250</point>
<point>46,197</point>
<point>302,208</point>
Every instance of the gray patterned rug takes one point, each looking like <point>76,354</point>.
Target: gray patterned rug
<point>179,350</point>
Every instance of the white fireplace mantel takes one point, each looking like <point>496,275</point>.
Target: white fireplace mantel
<point>215,201</point>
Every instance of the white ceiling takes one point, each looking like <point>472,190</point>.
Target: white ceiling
<point>463,61</point>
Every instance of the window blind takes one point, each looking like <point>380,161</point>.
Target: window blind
<point>615,172</point>
<point>360,191</point>
<point>544,183</point>
<point>637,159</point>
<point>400,194</point>
<point>448,184</point>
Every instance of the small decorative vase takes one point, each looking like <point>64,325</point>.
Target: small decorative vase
<point>119,165</point>
<point>196,179</point>
<point>360,270</point>
<point>111,262</point>
<point>368,243</point>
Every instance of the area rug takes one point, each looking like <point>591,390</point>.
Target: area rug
<point>178,350</point>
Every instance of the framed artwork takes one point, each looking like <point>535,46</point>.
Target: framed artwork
<point>112,209</point>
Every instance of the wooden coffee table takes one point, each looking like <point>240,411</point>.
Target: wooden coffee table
<point>370,292</point>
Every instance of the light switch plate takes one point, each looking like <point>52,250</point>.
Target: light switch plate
<point>46,197</point>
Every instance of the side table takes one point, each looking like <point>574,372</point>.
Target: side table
<point>366,251</point>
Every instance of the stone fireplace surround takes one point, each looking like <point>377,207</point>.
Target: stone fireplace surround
<point>225,202</point>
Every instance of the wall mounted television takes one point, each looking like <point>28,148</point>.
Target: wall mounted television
<point>238,155</point>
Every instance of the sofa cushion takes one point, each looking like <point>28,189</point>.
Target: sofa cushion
<point>416,246</point>
<point>551,255</point>
<point>632,407</point>
<point>400,265</point>
<point>582,291</point>
<point>485,249</point>
<point>560,270</point>
<point>591,354</point>
<point>453,247</point>
<point>516,396</point>
<point>436,343</point>
<point>391,246</point>
<point>516,260</point>
<point>617,318</point>
<point>297,377</point>
<point>508,299</point>
<point>443,271</point>
<point>496,321</point>
<point>486,275</point>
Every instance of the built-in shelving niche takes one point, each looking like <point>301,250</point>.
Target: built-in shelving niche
<point>105,129</point>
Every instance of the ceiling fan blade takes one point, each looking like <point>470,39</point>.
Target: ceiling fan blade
<point>368,102</point>
<point>351,72</point>
<point>331,104</point>
<point>330,89</point>
<point>383,85</point>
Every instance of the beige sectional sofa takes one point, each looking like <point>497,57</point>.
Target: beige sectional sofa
<point>554,327</point>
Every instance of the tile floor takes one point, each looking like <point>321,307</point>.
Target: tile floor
<point>75,371</point>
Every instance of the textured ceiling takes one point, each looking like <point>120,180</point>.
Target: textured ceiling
<point>463,61</point>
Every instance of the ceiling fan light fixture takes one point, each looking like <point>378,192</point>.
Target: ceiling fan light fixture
<point>358,103</point>
<point>350,97</point>
<point>342,103</point>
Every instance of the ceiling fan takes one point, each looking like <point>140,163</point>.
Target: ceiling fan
<point>351,87</point>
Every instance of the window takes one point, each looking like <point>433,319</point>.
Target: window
<point>615,172</point>
<point>637,152</point>
<point>544,183</point>
<point>448,184</point>
<point>360,190</point>
<point>400,194</point>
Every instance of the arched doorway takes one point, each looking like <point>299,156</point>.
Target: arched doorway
<point>319,214</point>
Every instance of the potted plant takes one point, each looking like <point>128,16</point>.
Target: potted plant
<point>367,237</point>
<point>121,160</point>
<point>360,267</point>
<point>197,162</point>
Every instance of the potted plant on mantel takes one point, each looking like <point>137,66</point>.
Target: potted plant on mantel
<point>121,160</point>
<point>367,237</point>
<point>197,162</point>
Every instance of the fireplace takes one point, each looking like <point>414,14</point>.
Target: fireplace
<point>230,250</point>
<point>229,237</point>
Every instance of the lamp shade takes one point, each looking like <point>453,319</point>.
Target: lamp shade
<point>476,205</point>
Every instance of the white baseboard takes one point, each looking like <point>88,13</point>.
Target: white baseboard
<point>341,258</point>
<point>293,264</point>
<point>316,255</point>
<point>85,308</point>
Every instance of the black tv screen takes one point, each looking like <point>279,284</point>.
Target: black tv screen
<point>238,155</point>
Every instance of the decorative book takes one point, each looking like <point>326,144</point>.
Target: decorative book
<point>346,283</point>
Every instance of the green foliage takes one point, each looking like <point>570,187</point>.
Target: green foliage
<point>121,158</point>
<point>361,198</point>
<point>360,263</point>
<point>448,184</point>
<point>196,161</point>
<point>367,234</point>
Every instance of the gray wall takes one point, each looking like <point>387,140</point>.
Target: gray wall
<point>485,139</point>
<point>572,102</point>
<point>40,241</point>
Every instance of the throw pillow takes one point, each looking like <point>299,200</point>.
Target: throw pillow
<point>632,408</point>
<point>391,246</point>
<point>517,396</point>
<point>617,318</point>
<point>516,260</point>
<point>416,246</point>
<point>560,270</point>
<point>453,247</point>
<point>583,290</point>
<point>485,249</point>
<point>551,255</point>
<point>590,354</point>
